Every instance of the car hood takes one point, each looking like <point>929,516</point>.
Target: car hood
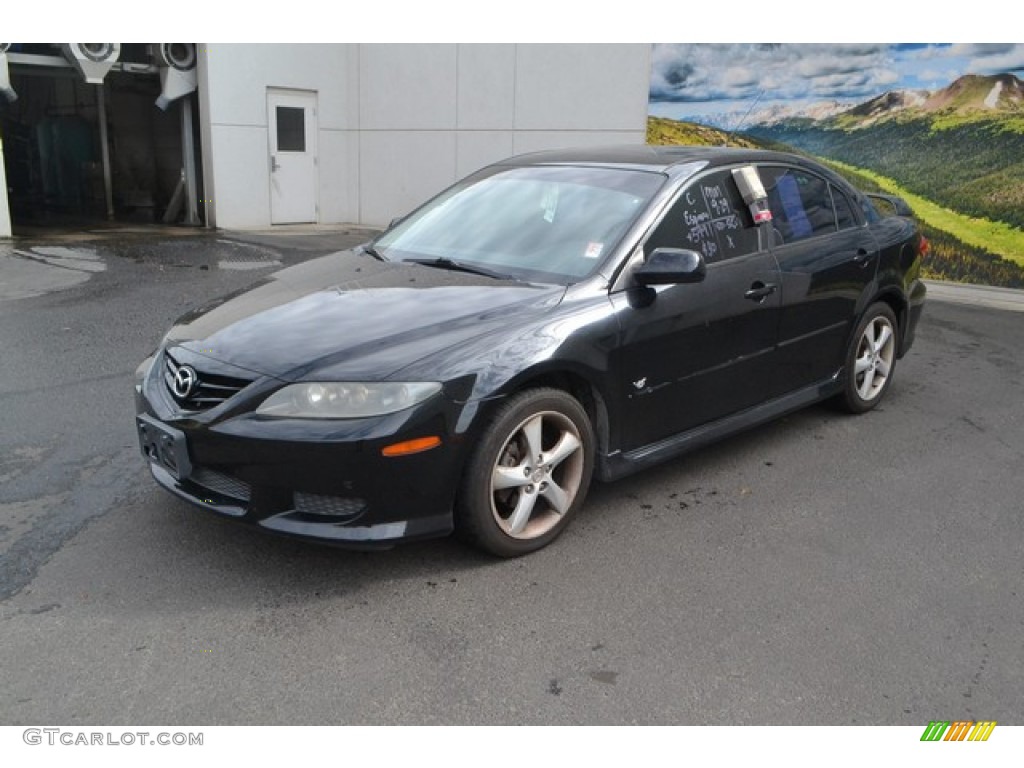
<point>348,315</point>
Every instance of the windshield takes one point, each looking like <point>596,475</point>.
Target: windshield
<point>546,224</point>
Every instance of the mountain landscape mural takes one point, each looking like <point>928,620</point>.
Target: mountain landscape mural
<point>942,126</point>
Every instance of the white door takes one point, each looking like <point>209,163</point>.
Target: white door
<point>291,116</point>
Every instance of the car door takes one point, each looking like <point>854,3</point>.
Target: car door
<point>827,257</point>
<point>692,353</point>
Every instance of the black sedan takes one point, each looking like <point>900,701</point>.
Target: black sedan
<point>551,318</point>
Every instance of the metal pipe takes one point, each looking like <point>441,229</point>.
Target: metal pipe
<point>59,62</point>
<point>188,158</point>
<point>108,189</point>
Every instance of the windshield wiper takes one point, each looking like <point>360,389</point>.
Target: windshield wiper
<point>443,262</point>
<point>368,248</point>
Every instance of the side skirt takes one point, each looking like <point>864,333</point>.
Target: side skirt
<point>619,464</point>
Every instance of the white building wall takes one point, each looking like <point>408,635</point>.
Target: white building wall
<point>398,123</point>
<point>233,83</point>
<point>5,209</point>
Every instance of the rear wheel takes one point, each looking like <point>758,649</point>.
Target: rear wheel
<point>529,474</point>
<point>871,359</point>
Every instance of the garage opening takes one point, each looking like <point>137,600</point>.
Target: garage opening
<point>95,133</point>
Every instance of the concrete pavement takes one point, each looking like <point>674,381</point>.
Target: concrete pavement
<point>822,569</point>
<point>987,296</point>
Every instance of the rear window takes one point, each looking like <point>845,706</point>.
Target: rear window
<point>870,212</point>
<point>884,208</point>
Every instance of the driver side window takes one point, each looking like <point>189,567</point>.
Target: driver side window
<point>708,217</point>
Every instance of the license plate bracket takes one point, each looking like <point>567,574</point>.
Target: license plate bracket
<point>164,446</point>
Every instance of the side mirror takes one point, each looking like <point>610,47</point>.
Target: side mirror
<point>667,266</point>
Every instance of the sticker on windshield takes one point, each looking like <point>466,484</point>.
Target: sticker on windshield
<point>593,250</point>
<point>550,203</point>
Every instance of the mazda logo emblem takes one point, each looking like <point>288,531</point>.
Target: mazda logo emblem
<point>185,381</point>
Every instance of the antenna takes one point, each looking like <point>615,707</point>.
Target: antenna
<point>728,136</point>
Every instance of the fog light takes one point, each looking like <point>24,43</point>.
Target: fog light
<point>328,506</point>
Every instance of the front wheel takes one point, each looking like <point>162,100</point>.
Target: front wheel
<point>529,475</point>
<point>871,359</point>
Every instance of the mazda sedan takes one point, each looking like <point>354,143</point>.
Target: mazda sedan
<point>552,318</point>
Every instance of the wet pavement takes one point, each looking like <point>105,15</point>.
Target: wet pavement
<point>33,266</point>
<point>34,270</point>
<point>78,312</point>
<point>823,569</point>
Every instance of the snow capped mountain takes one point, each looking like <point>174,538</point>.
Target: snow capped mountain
<point>1003,92</point>
<point>775,113</point>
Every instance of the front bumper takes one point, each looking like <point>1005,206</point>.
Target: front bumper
<point>296,523</point>
<point>323,480</point>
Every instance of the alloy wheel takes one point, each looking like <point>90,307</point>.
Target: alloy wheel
<point>537,475</point>
<point>875,354</point>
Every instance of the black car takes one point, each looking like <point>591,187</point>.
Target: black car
<point>552,317</point>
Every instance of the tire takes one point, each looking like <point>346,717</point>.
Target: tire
<point>870,360</point>
<point>511,504</point>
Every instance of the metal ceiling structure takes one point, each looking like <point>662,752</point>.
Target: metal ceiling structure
<point>175,63</point>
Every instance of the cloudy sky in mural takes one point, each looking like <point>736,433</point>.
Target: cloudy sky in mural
<point>694,79</point>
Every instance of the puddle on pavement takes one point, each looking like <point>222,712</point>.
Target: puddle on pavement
<point>85,259</point>
<point>240,264</point>
<point>28,271</point>
<point>35,270</point>
<point>248,257</point>
<point>199,253</point>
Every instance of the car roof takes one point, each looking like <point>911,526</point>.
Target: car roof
<point>645,157</point>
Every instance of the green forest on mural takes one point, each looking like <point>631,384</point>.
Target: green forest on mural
<point>956,155</point>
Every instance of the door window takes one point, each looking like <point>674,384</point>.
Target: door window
<point>291,129</point>
<point>800,203</point>
<point>709,217</point>
<point>844,211</point>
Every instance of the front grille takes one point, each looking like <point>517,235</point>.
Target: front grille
<point>218,482</point>
<point>209,390</point>
<point>328,506</point>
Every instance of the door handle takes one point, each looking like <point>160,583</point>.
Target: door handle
<point>760,291</point>
<point>863,256</point>
<point>273,164</point>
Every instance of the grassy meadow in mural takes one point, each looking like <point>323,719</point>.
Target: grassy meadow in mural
<point>955,152</point>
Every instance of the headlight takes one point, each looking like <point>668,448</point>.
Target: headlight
<point>346,400</point>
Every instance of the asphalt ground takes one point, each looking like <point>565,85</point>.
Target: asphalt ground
<point>822,569</point>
